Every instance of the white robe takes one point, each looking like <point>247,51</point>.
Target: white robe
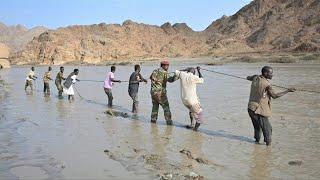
<point>70,90</point>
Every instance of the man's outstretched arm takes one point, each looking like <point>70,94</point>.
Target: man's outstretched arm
<point>114,80</point>
<point>275,95</point>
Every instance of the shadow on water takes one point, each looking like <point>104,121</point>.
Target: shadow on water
<point>143,119</point>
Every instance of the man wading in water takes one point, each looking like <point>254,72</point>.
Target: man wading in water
<point>30,77</point>
<point>46,80</point>
<point>133,88</point>
<point>68,84</point>
<point>159,79</point>
<point>189,97</point>
<point>58,81</point>
<point>259,106</point>
<point>108,83</point>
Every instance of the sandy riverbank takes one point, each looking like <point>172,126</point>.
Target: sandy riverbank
<point>254,57</point>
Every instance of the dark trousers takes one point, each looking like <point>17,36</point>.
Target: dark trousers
<point>261,123</point>
<point>46,88</point>
<point>135,103</point>
<point>110,96</point>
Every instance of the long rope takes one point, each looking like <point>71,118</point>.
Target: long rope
<point>230,75</point>
<point>89,80</point>
<point>78,92</point>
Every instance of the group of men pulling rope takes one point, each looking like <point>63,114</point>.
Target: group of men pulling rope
<point>259,106</point>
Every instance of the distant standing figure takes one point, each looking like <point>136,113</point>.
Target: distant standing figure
<point>259,106</point>
<point>159,79</point>
<point>108,83</point>
<point>30,77</point>
<point>68,84</point>
<point>58,81</point>
<point>133,88</point>
<point>189,97</point>
<point>46,80</point>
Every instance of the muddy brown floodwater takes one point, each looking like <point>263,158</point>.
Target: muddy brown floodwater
<point>50,138</point>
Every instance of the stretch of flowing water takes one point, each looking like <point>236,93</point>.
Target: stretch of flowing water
<point>45,137</point>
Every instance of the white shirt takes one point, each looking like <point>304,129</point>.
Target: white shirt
<point>31,73</point>
<point>188,82</point>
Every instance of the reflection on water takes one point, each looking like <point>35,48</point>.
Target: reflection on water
<point>54,138</point>
<point>260,163</point>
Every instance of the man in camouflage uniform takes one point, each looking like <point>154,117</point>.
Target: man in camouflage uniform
<point>159,79</point>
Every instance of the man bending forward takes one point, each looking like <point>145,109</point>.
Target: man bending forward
<point>189,81</point>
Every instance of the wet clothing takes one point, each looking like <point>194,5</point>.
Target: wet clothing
<point>135,103</point>
<point>159,79</point>
<point>58,82</point>
<point>134,81</point>
<point>195,112</point>
<point>165,106</point>
<point>189,97</point>
<point>108,87</point>
<point>68,87</point>
<point>28,83</point>
<point>133,89</point>
<point>260,100</point>
<point>108,81</point>
<point>110,96</point>
<point>259,108</point>
<point>46,79</point>
<point>188,82</point>
<point>46,87</point>
<point>261,123</point>
<point>29,80</point>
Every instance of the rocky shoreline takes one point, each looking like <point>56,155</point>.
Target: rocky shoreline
<point>313,58</point>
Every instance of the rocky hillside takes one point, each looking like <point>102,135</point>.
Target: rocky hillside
<point>96,43</point>
<point>262,25</point>
<point>4,54</point>
<point>16,37</point>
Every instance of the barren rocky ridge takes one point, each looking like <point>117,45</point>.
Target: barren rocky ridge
<point>261,26</point>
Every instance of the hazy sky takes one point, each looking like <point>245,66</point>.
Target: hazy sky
<point>198,14</point>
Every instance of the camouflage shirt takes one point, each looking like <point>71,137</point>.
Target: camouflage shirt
<point>46,77</point>
<point>59,77</point>
<point>159,79</point>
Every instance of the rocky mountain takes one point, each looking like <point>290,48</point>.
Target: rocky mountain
<point>16,37</point>
<point>262,25</point>
<point>102,42</point>
<point>4,54</point>
<point>271,25</point>
<point>4,51</point>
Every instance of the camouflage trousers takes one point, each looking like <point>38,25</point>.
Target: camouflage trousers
<point>160,99</point>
